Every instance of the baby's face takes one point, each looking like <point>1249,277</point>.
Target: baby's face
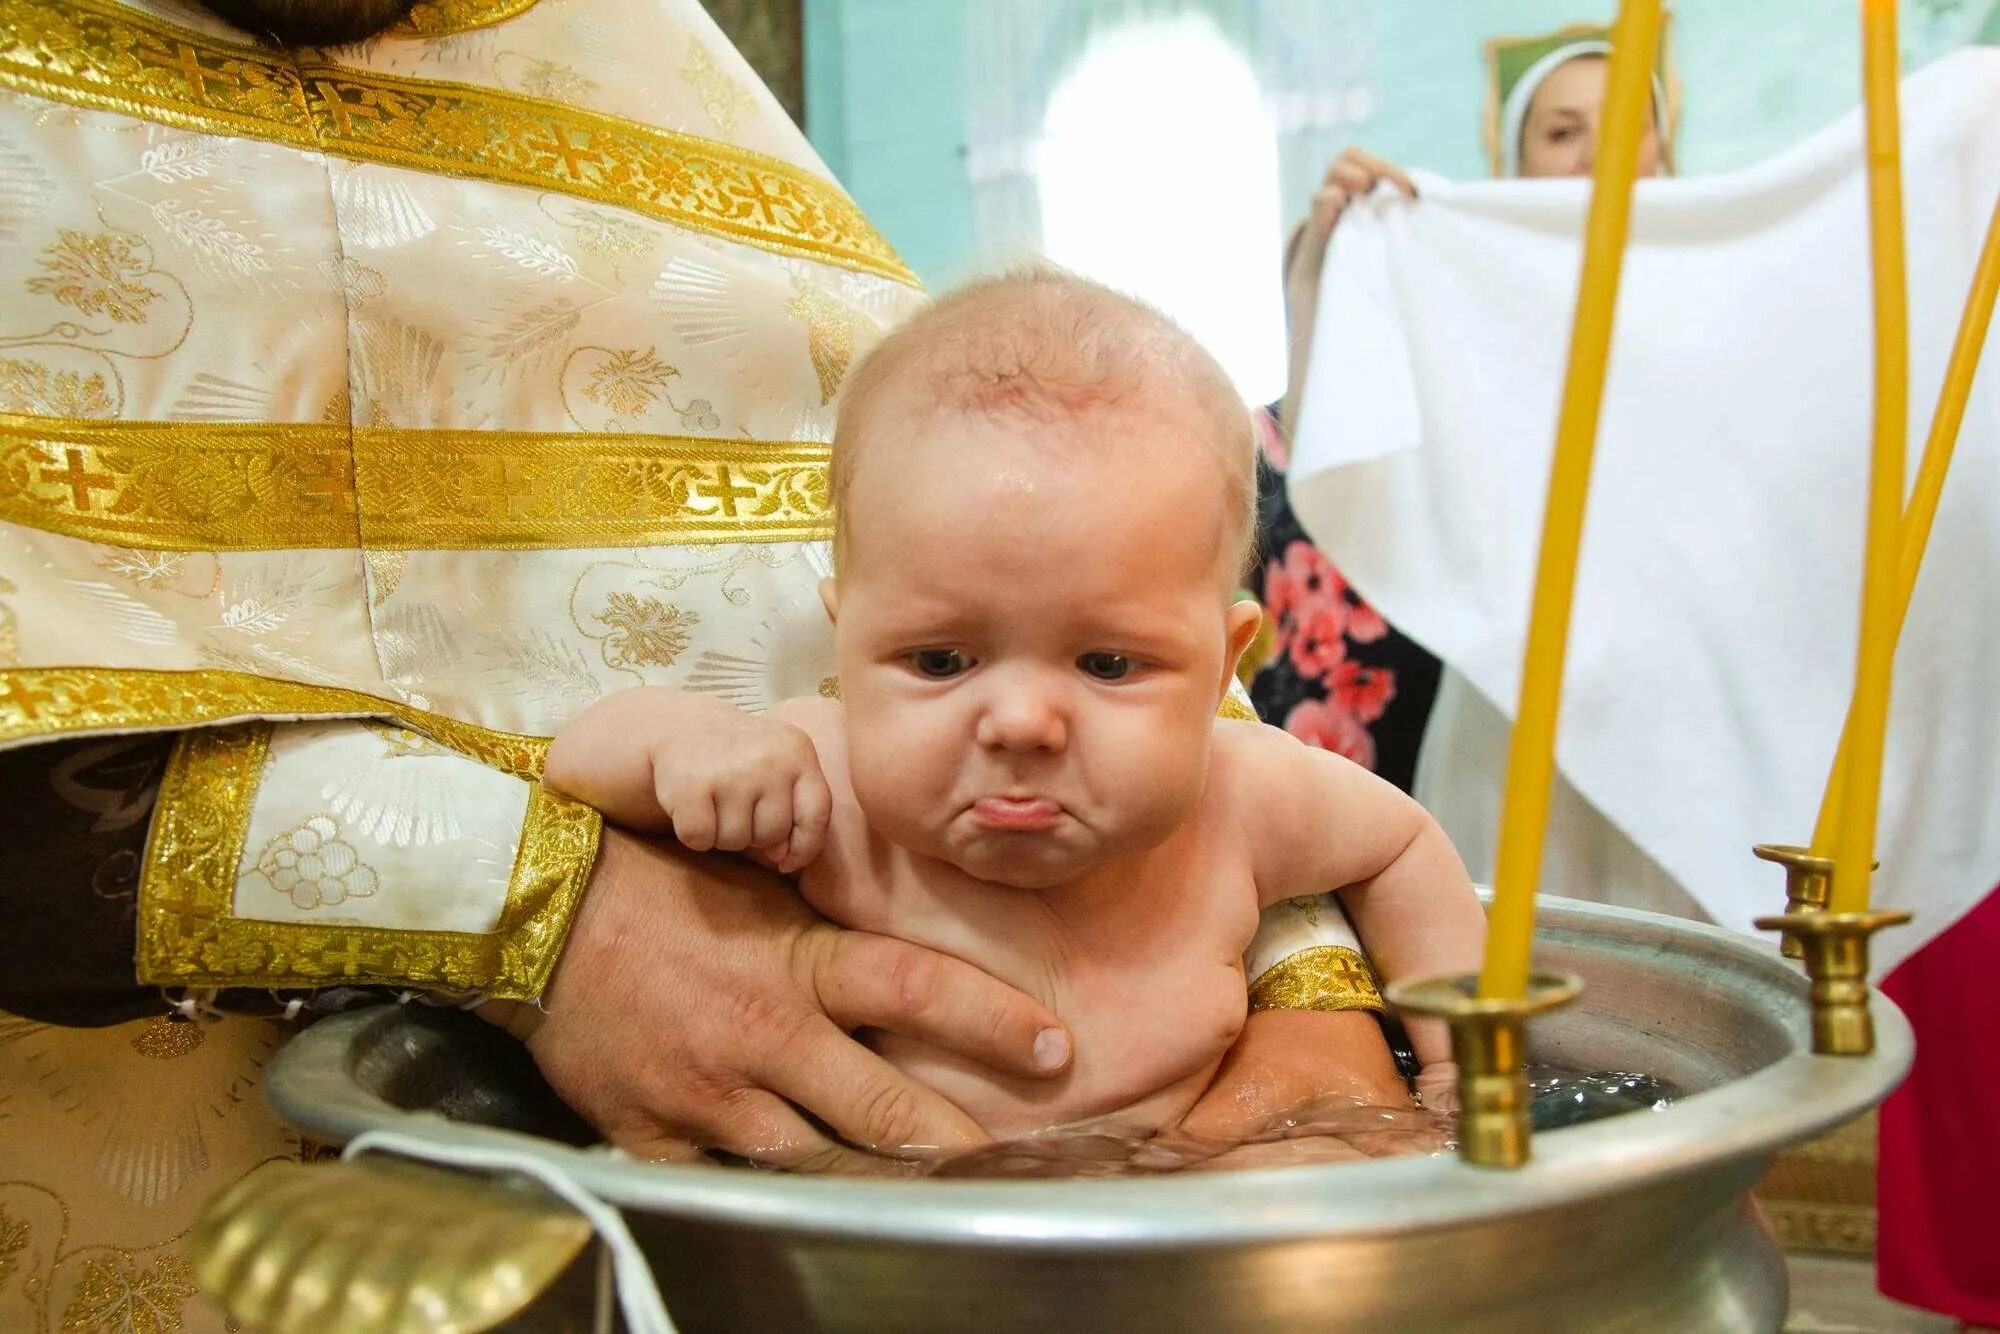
<point>1033,639</point>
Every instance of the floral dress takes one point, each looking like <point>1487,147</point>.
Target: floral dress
<point>1334,673</point>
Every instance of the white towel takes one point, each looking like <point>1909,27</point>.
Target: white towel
<point>1712,646</point>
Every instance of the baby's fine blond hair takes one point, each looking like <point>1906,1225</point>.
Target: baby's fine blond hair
<point>1050,348</point>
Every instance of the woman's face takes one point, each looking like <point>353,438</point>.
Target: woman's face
<point>1559,133</point>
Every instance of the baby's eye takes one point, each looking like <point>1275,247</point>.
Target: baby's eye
<point>1106,666</point>
<point>939,663</point>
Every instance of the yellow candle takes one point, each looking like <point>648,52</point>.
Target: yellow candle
<point>1861,776</point>
<point>1628,107</point>
<point>1931,470</point>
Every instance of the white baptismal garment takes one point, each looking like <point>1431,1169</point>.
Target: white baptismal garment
<point>1712,646</point>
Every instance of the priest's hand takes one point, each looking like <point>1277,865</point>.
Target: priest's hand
<point>700,1004</point>
<point>1287,1059</point>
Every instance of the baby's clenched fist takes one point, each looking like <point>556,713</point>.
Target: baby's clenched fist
<point>721,779</point>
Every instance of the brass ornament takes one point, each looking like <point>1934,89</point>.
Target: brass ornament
<point>379,1247</point>
<point>1808,883</point>
<point>1835,948</point>
<point>1489,1042</point>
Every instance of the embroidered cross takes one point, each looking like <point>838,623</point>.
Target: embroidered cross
<point>511,490</point>
<point>78,478</point>
<point>329,484</point>
<point>1351,970</point>
<point>350,958</point>
<point>723,491</point>
<point>188,63</point>
<point>343,111</point>
<point>764,200</point>
<point>24,699</point>
<point>572,155</point>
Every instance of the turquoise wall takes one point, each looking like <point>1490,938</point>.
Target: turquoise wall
<point>885,103</point>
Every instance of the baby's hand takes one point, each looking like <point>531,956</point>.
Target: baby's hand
<point>724,780</point>
<point>1437,1086</point>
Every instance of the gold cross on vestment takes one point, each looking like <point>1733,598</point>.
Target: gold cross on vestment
<point>343,111</point>
<point>330,484</point>
<point>766,202</point>
<point>724,492</point>
<point>350,958</point>
<point>572,155</point>
<point>24,699</point>
<point>78,478</point>
<point>187,62</point>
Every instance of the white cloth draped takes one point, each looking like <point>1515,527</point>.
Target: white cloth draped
<point>1712,645</point>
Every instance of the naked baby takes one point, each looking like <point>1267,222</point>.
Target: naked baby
<point>1045,497</point>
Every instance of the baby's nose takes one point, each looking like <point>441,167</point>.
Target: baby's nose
<point>1022,718</point>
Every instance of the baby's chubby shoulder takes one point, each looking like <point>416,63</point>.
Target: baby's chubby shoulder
<point>824,721</point>
<point>1246,746</point>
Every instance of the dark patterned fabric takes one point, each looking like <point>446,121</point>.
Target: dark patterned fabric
<point>1337,676</point>
<point>73,822</point>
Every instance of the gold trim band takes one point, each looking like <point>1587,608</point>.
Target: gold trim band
<point>189,934</point>
<point>188,486</point>
<point>37,702</point>
<point>1327,978</point>
<point>442,18</point>
<point>104,56</point>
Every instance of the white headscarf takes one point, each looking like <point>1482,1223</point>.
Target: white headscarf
<point>1514,112</point>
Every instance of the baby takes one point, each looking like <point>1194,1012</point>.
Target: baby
<point>1045,495</point>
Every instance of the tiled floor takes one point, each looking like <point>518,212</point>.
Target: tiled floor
<point>1837,1293</point>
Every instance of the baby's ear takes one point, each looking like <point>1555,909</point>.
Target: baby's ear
<point>829,597</point>
<point>1240,624</point>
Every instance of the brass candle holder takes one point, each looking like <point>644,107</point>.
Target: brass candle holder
<point>1835,946</point>
<point>1489,1042</point>
<point>1808,883</point>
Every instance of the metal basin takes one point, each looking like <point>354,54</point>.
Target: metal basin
<point>1638,1222</point>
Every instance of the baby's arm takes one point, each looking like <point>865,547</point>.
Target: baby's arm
<point>652,758</point>
<point>1318,822</point>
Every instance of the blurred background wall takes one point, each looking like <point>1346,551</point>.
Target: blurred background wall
<point>1167,145</point>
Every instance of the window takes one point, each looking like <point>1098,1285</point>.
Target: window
<point>1158,175</point>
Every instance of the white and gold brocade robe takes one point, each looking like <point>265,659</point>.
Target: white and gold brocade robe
<point>366,413</point>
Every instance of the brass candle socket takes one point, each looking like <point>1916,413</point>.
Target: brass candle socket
<point>1836,955</point>
<point>1489,1042</point>
<point>1808,883</point>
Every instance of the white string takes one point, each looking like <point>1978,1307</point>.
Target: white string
<point>638,1295</point>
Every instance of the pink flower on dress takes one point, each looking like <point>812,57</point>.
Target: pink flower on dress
<point>1317,644</point>
<point>1364,624</point>
<point>1364,692</point>
<point>1300,586</point>
<point>1325,724</point>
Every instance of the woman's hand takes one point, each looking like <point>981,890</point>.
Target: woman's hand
<point>1350,176</point>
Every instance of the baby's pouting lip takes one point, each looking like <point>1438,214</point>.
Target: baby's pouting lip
<point>1016,813</point>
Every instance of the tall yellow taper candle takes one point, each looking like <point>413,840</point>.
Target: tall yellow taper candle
<point>1922,509</point>
<point>1861,777</point>
<point>1628,105</point>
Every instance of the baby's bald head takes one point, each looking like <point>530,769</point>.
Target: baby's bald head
<point>1058,354</point>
